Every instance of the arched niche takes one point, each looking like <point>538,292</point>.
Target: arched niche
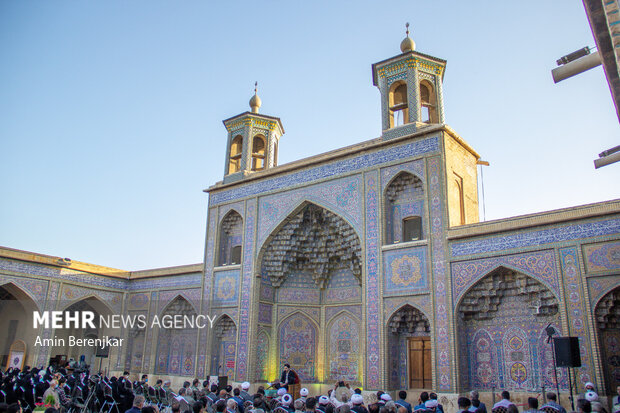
<point>101,310</point>
<point>404,209</point>
<point>607,316</point>
<point>262,356</point>
<point>298,336</point>
<point>176,347</point>
<point>500,319</point>
<point>16,309</point>
<point>409,349</point>
<point>224,347</point>
<point>230,239</point>
<point>344,346</point>
<point>314,240</point>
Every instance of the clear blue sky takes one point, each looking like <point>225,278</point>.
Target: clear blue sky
<point>110,111</point>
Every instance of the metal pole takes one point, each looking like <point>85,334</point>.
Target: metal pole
<point>570,386</point>
<point>555,370</point>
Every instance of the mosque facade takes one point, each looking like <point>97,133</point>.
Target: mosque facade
<point>366,264</point>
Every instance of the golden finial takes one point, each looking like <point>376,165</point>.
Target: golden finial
<point>255,101</point>
<point>407,45</point>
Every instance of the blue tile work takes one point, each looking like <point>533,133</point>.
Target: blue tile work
<point>405,270</point>
<point>44,352</point>
<point>206,293</point>
<point>342,288</point>
<point>340,196</point>
<point>185,281</point>
<point>540,265</point>
<point>36,289</point>
<point>601,286</point>
<point>246,292</point>
<point>225,209</point>
<point>399,131</point>
<point>373,320</point>
<point>63,274</point>
<point>442,337</point>
<point>356,163</point>
<point>330,312</point>
<point>414,167</point>
<point>577,312</point>
<point>226,288</point>
<point>534,238</point>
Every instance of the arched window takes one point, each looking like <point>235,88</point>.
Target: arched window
<point>236,148</point>
<point>231,234</point>
<point>404,208</point>
<point>258,153</point>
<point>458,181</point>
<point>399,109</point>
<point>427,103</point>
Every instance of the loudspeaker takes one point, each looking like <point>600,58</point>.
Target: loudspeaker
<point>102,352</point>
<point>223,382</point>
<point>567,352</point>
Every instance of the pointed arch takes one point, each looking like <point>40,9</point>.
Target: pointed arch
<point>224,346</point>
<point>230,238</point>
<point>21,293</point>
<point>485,369</point>
<point>607,318</point>
<point>189,306</point>
<point>605,294</point>
<point>514,308</point>
<point>415,307</point>
<point>94,301</point>
<point>223,316</point>
<point>16,308</point>
<point>344,347</point>
<point>408,353</point>
<point>499,268</point>
<point>176,347</point>
<point>333,244</point>
<point>339,313</point>
<point>295,209</point>
<point>404,208</point>
<point>232,209</point>
<point>262,356</point>
<point>298,338</point>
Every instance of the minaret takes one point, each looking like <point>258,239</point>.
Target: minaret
<point>252,141</point>
<point>411,90</point>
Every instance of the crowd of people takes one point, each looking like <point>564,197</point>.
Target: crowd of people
<point>59,391</point>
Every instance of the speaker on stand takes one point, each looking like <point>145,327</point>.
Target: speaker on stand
<point>567,355</point>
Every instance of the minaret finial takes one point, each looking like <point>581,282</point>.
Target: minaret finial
<point>255,102</point>
<point>407,45</point>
